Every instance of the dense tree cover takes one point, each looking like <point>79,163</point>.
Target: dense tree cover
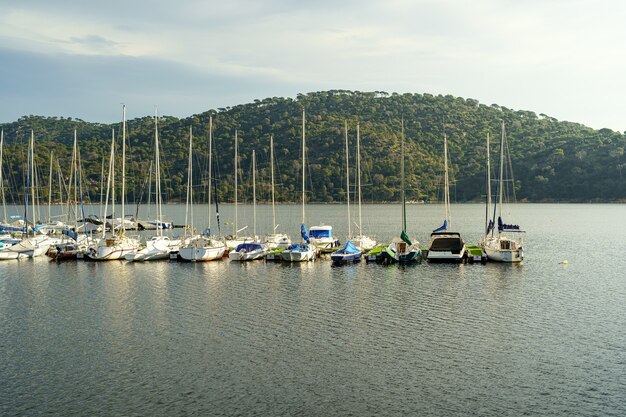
<point>552,160</point>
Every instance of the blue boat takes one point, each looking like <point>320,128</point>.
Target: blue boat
<point>348,254</point>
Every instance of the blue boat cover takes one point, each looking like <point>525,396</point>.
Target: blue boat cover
<point>248,247</point>
<point>317,234</point>
<point>304,234</point>
<point>298,247</point>
<point>502,226</point>
<point>6,228</point>
<point>443,227</point>
<point>70,233</point>
<point>349,249</point>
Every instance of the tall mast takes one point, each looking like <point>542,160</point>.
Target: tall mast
<point>272,173</point>
<point>446,186</point>
<point>402,196</point>
<point>345,126</point>
<point>189,205</point>
<point>253,195</point>
<point>4,206</point>
<point>76,179</point>
<point>123,164</point>
<point>358,170</point>
<point>488,208</point>
<point>303,165</point>
<point>210,168</point>
<point>32,175</point>
<point>157,175</point>
<point>500,176</point>
<point>110,180</point>
<point>50,188</point>
<point>235,224</point>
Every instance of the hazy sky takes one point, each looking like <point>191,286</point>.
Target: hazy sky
<point>564,58</point>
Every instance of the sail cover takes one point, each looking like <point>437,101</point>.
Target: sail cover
<point>304,234</point>
<point>443,227</point>
<point>405,238</point>
<point>349,248</point>
<point>502,226</point>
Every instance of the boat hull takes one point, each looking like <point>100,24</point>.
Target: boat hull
<point>297,256</point>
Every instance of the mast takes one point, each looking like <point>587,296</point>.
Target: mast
<point>272,174</point>
<point>488,207</point>
<point>110,180</point>
<point>303,165</point>
<point>210,169</point>
<point>189,210</point>
<point>235,224</point>
<point>253,195</point>
<point>32,175</point>
<point>26,190</point>
<point>358,170</point>
<point>50,188</point>
<point>102,189</point>
<point>402,196</point>
<point>76,173</point>
<point>4,206</point>
<point>157,176</point>
<point>123,165</point>
<point>446,186</point>
<point>345,125</point>
<point>500,178</point>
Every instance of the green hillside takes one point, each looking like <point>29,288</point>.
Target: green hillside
<point>552,160</point>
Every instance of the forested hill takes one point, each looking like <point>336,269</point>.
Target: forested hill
<point>552,160</point>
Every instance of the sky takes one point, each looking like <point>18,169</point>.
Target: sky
<point>81,59</point>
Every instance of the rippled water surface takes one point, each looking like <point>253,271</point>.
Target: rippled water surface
<point>221,338</point>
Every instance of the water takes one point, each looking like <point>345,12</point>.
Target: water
<point>220,338</point>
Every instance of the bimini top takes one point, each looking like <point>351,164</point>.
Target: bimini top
<point>321,231</point>
<point>249,247</point>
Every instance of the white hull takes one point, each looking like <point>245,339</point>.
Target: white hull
<point>156,249</point>
<point>298,256</point>
<point>111,249</point>
<point>503,250</point>
<point>364,243</point>
<point>247,256</point>
<point>26,248</point>
<point>325,243</point>
<point>201,250</point>
<point>277,241</point>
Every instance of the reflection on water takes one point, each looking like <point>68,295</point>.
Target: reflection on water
<point>228,338</point>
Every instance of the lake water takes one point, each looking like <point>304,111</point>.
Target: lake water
<point>541,338</point>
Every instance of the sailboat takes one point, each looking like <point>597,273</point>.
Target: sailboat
<point>17,222</point>
<point>250,251</point>
<point>349,253</point>
<point>117,244</point>
<point>445,245</point>
<point>159,246</point>
<point>363,242</point>
<point>275,240</point>
<point>30,245</point>
<point>401,250</point>
<point>76,243</point>
<point>200,248</point>
<point>305,251</point>
<point>508,244</point>
<point>233,240</point>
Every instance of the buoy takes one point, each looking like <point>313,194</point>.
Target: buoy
<point>564,262</point>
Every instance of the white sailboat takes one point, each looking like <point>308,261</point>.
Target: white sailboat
<point>200,248</point>
<point>508,244</point>
<point>446,245</point>
<point>116,245</point>
<point>31,244</point>
<point>305,251</point>
<point>159,246</point>
<point>233,240</point>
<point>252,250</point>
<point>275,240</point>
